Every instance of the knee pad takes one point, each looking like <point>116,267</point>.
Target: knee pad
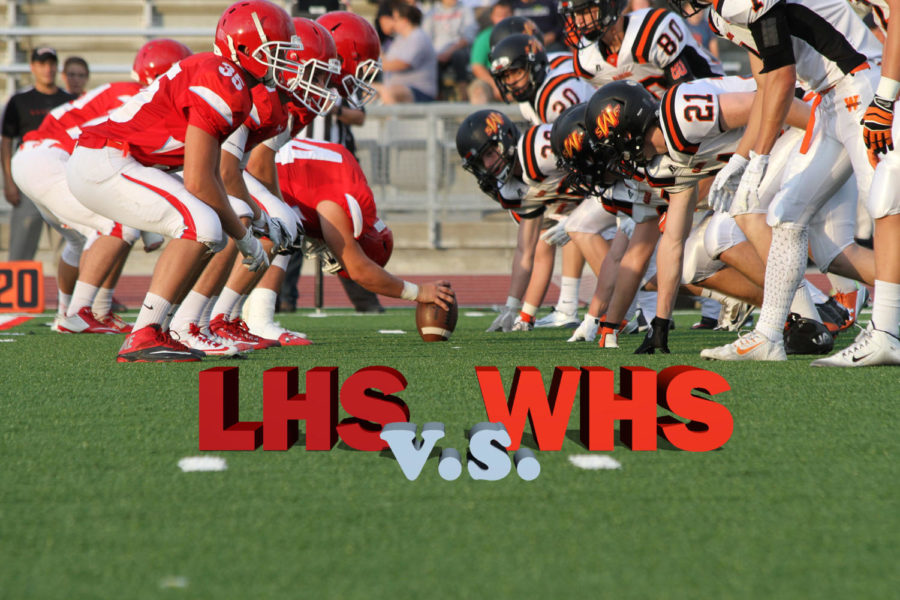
<point>71,252</point>
<point>883,199</point>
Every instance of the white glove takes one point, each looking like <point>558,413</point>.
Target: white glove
<point>587,331</point>
<point>722,190</point>
<point>280,234</point>
<point>556,235</point>
<point>747,195</point>
<point>521,325</point>
<point>254,256</point>
<point>260,226</point>
<point>507,317</point>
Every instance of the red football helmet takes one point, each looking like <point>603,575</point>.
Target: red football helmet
<point>155,58</point>
<point>377,243</point>
<point>358,50</point>
<point>257,35</point>
<point>319,64</point>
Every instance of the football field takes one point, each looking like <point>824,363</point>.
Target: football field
<point>801,502</point>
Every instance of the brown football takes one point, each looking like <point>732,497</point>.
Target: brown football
<point>434,323</point>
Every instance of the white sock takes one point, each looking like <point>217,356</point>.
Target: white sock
<point>886,306</point>
<point>224,305</point>
<point>153,311</point>
<point>167,322</point>
<point>841,284</point>
<point>259,309</point>
<point>803,303</point>
<point>82,295</point>
<point>189,311</point>
<point>62,301</point>
<point>102,305</point>
<point>568,295</point>
<point>203,322</point>
<point>238,306</point>
<point>784,272</point>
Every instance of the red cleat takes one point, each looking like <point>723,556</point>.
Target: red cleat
<point>83,322</point>
<point>150,344</point>
<point>115,321</point>
<point>236,332</point>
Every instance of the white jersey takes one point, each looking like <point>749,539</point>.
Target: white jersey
<point>690,120</point>
<point>828,39</point>
<point>542,182</point>
<point>879,10</point>
<point>656,41</point>
<point>560,90</point>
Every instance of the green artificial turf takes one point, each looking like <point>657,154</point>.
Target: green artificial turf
<point>800,503</point>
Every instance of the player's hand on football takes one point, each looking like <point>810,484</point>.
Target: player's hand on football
<point>556,235</point>
<point>657,337</point>
<point>586,331</point>
<point>722,190</point>
<point>438,292</point>
<point>877,124</point>
<point>254,256</point>
<point>505,320</point>
<point>747,194</point>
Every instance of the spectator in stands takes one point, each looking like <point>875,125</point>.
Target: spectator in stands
<point>76,74</point>
<point>544,15</point>
<point>452,28</point>
<point>384,21</point>
<point>483,89</point>
<point>24,113</point>
<point>702,33</point>
<point>410,63</point>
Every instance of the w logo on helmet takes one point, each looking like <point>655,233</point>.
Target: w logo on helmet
<point>573,143</point>
<point>533,46</point>
<point>492,123</point>
<point>606,120</point>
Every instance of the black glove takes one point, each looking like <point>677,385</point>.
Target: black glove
<point>657,337</point>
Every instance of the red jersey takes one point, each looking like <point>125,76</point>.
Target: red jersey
<point>203,90</point>
<point>312,171</point>
<point>268,118</point>
<point>63,123</point>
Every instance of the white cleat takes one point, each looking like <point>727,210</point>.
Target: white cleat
<point>587,331</point>
<point>521,325</point>
<point>558,318</point>
<point>609,338</point>
<point>871,347</point>
<point>752,346</point>
<point>734,314</point>
<point>195,339</point>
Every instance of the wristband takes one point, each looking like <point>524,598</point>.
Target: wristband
<point>888,88</point>
<point>410,291</point>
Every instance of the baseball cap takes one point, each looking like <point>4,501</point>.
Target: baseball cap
<point>43,53</point>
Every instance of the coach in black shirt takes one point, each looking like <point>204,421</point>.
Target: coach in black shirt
<point>24,113</point>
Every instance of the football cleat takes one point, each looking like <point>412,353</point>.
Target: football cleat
<point>115,321</point>
<point>871,347</point>
<point>557,318</point>
<point>236,332</point>
<point>642,324</point>
<point>854,302</point>
<point>195,339</point>
<point>285,337</point>
<point>751,346</point>
<point>833,315</point>
<point>705,323</point>
<point>151,344</point>
<point>83,322</point>
<point>609,337</point>
<point>734,315</point>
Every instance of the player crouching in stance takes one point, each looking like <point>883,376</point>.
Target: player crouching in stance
<point>119,169</point>
<point>328,190</point>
